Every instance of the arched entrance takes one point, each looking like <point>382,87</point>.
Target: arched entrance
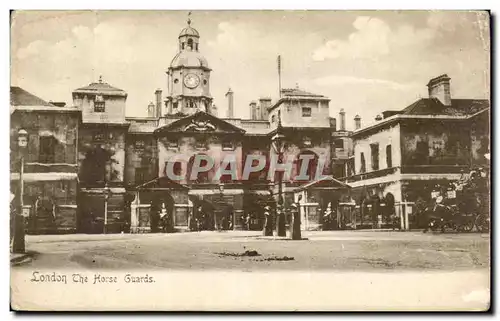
<point>161,211</point>
<point>203,215</point>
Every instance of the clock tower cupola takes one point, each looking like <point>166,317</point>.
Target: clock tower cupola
<point>188,76</point>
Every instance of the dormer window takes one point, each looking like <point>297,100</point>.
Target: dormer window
<point>99,104</point>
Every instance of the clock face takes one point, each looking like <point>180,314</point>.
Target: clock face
<point>191,81</point>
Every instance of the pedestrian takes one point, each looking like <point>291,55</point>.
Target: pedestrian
<point>268,228</point>
<point>247,222</point>
<point>154,217</point>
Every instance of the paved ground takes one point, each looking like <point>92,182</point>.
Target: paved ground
<point>322,251</point>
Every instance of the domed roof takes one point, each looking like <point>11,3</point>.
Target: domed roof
<point>189,59</point>
<point>189,31</point>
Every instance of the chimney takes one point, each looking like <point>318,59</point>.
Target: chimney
<point>342,119</point>
<point>230,103</point>
<point>265,103</point>
<point>357,122</point>
<point>158,102</point>
<point>378,118</point>
<point>439,88</point>
<point>253,110</point>
<point>151,110</point>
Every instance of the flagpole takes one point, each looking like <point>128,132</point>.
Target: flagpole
<point>279,75</point>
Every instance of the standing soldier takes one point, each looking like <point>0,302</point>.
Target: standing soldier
<point>295,233</point>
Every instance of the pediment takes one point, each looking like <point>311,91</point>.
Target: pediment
<point>200,122</point>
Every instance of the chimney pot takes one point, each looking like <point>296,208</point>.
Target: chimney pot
<point>230,103</point>
<point>439,88</point>
<point>158,94</point>
<point>342,119</point>
<point>357,122</point>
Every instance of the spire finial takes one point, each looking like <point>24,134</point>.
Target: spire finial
<point>296,85</point>
<point>189,18</point>
<point>100,79</point>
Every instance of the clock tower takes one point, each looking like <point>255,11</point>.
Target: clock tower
<point>188,77</point>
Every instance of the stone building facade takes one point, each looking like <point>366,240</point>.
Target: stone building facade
<point>113,168</point>
<point>404,154</point>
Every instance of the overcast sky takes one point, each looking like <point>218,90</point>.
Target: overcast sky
<point>365,62</point>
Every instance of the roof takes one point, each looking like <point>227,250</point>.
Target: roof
<point>189,31</point>
<point>459,107</point>
<point>101,87</point>
<point>432,108</point>
<point>20,97</point>
<point>327,182</point>
<point>188,58</point>
<point>298,92</point>
<point>199,122</point>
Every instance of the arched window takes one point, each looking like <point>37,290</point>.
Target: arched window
<point>202,177</point>
<point>311,159</point>
<point>190,44</point>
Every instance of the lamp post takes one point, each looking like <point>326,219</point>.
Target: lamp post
<point>18,242</point>
<point>278,141</point>
<point>107,194</point>
<point>221,194</point>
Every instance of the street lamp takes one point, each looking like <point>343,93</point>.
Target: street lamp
<point>18,242</point>
<point>107,194</point>
<point>221,198</point>
<point>278,142</point>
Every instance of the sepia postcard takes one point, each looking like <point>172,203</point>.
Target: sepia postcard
<point>250,160</point>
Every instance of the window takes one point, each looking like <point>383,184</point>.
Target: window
<point>204,81</point>
<point>201,144</point>
<point>227,145</point>
<point>375,158</point>
<point>273,118</point>
<point>99,106</point>
<point>388,155</point>
<point>339,143</point>
<point>190,44</point>
<point>173,143</point>
<point>422,153</point>
<point>141,175</point>
<point>175,106</point>
<point>176,169</point>
<point>363,164</point>
<point>176,81</point>
<point>47,149</point>
<point>306,111</point>
<point>139,144</point>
